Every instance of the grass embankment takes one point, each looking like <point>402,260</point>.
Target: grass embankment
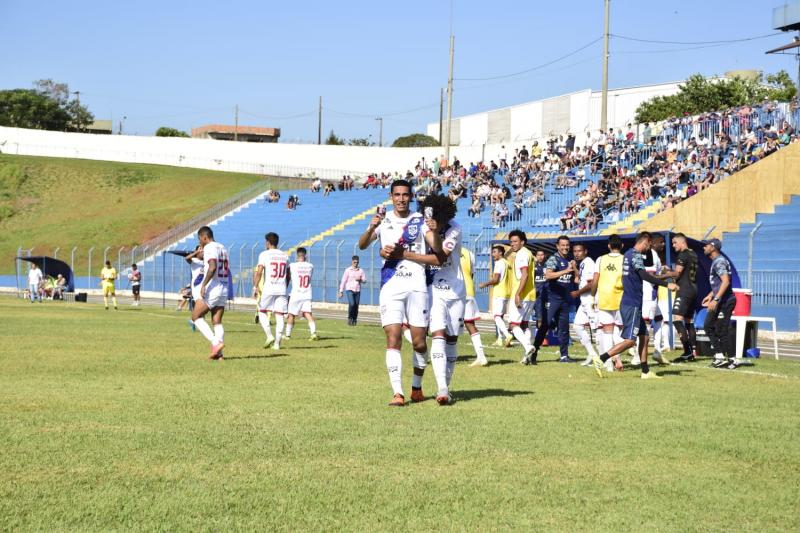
<point>48,202</point>
<point>117,421</point>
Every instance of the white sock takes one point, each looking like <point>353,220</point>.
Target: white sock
<point>523,338</point>
<point>263,319</point>
<point>501,327</point>
<point>608,341</point>
<point>439,362</point>
<point>394,364</point>
<point>312,326</point>
<point>407,335</point>
<point>278,328</point>
<point>219,334</point>
<point>289,329</point>
<point>617,338</point>
<point>478,345</point>
<point>420,361</point>
<point>451,353</point>
<point>205,329</point>
<point>598,340</point>
<point>586,340</point>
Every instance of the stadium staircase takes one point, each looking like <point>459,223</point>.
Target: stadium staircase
<point>774,273</point>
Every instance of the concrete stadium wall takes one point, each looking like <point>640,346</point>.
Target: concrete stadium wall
<point>737,200</point>
<point>328,162</point>
<point>575,112</point>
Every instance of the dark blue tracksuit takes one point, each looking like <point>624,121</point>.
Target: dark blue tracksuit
<point>558,305</point>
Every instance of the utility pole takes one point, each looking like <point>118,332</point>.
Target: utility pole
<point>441,115</point>
<point>449,101</point>
<point>77,96</point>
<point>380,134</point>
<point>604,102</point>
<point>236,123</point>
<point>319,123</point>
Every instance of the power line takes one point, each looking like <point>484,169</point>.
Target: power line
<point>286,117</point>
<point>373,115</point>
<point>729,41</point>
<point>537,67</point>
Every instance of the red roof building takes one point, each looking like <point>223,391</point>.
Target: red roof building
<point>251,134</point>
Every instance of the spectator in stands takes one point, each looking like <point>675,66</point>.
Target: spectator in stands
<point>352,279</point>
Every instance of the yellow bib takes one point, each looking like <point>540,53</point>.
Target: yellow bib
<point>609,283</point>
<point>523,258</point>
<point>466,269</point>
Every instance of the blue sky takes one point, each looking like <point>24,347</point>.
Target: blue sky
<point>184,64</point>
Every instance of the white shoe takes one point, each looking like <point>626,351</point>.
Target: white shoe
<point>276,346</point>
<point>269,341</point>
<point>588,361</point>
<point>479,362</point>
<point>609,365</point>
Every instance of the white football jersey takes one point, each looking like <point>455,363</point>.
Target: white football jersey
<point>197,267</point>
<point>301,280</point>
<point>215,250</point>
<point>587,269</point>
<point>447,281</point>
<point>402,276</point>
<point>501,268</point>
<point>648,290</point>
<point>275,263</point>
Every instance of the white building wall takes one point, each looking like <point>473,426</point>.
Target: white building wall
<point>526,122</point>
<point>328,162</point>
<point>474,129</point>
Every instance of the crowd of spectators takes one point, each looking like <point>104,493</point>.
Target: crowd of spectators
<point>671,161</point>
<point>679,159</point>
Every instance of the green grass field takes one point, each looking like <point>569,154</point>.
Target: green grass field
<point>47,202</point>
<point>117,421</point>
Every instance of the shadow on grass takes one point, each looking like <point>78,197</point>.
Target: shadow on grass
<point>477,394</point>
<point>675,372</point>
<point>269,356</point>
<point>315,347</point>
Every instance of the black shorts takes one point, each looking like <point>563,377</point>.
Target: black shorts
<point>684,304</point>
<point>135,289</point>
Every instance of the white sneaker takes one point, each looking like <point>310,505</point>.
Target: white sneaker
<point>479,362</point>
<point>276,346</point>
<point>635,361</point>
<point>269,341</point>
<point>609,365</point>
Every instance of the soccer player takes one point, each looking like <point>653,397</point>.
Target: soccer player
<point>542,292</point>
<point>685,275</point>
<point>272,264</point>
<point>213,291</point>
<point>608,292</point>
<point>586,317</point>
<point>300,298</point>
<point>447,291</point>
<point>108,278</point>
<point>135,277</point>
<point>471,312</point>
<point>404,293</point>
<point>558,271</point>
<point>501,281</point>
<point>720,303</point>
<point>633,326</point>
<point>650,308</point>
<point>523,291</point>
<point>661,337</point>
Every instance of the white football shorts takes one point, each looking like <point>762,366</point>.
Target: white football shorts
<point>276,303</point>
<point>407,308</point>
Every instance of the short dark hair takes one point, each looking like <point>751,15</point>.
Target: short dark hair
<point>133,265</point>
<point>659,236</point>
<point>205,230</point>
<point>108,263</point>
<point>615,242</point>
<point>302,250</point>
<point>355,258</point>
<point>401,183</point>
<point>499,248</point>
<point>643,236</point>
<point>519,234</point>
<point>679,235</point>
<point>577,244</point>
<point>562,238</point>
<point>272,238</point>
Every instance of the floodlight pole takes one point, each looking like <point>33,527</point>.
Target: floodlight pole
<point>449,101</point>
<point>604,101</point>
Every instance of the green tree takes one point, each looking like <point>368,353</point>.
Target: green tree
<point>701,95</point>
<point>334,140</point>
<point>45,107</point>
<point>415,140</point>
<point>165,131</point>
<point>360,142</point>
